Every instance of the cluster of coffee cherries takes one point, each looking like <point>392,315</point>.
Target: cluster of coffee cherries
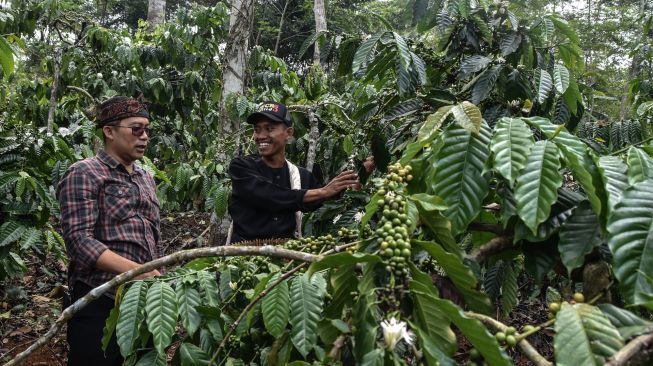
<point>316,245</point>
<point>392,231</point>
<point>554,307</point>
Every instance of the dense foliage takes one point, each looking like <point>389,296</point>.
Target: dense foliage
<point>495,173</point>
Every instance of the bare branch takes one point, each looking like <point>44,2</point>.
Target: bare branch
<point>490,228</point>
<point>492,247</point>
<point>526,348</point>
<point>634,347</point>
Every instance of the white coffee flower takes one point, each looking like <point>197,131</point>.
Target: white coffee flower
<point>394,331</point>
<point>337,218</point>
<point>358,216</point>
<point>233,285</point>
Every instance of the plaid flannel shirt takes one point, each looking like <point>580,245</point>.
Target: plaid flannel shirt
<point>104,207</point>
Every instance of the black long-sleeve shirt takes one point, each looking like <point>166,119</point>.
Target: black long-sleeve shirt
<point>262,205</point>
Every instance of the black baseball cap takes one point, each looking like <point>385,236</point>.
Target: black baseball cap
<point>275,112</point>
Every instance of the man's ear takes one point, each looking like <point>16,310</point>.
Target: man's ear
<point>290,131</point>
<point>108,132</point>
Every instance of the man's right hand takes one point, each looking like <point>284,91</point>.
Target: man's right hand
<point>346,179</point>
<point>148,274</point>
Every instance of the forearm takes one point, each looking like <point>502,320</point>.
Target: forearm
<point>314,195</point>
<point>111,262</point>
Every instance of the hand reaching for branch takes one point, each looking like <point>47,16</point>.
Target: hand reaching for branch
<point>346,179</point>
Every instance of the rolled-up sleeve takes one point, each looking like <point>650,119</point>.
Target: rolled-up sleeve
<point>261,193</point>
<point>78,194</point>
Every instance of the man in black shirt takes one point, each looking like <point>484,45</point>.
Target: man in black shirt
<point>268,192</point>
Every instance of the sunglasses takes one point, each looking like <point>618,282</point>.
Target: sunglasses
<point>137,130</point>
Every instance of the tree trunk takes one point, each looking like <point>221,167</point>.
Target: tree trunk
<point>313,136</point>
<point>156,12</point>
<point>53,91</point>
<point>233,82</point>
<point>320,26</point>
<point>283,19</point>
<point>233,76</point>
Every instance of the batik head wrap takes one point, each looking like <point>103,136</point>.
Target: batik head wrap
<point>119,108</point>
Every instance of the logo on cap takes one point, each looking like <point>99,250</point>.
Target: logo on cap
<point>269,107</point>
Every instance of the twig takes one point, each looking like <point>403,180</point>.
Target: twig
<point>632,145</point>
<point>637,345</point>
<point>493,246</point>
<point>490,228</point>
<point>83,91</point>
<point>527,349</point>
<point>262,294</point>
<point>185,255</point>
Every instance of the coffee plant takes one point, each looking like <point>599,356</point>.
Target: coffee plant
<point>492,181</point>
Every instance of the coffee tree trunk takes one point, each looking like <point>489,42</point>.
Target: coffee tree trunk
<point>156,12</point>
<point>320,26</point>
<point>233,82</point>
<point>233,76</point>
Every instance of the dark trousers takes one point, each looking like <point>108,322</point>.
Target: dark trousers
<point>85,332</point>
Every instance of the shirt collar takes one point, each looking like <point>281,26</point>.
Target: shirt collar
<point>112,163</point>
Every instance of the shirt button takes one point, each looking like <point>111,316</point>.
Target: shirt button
<point>275,219</point>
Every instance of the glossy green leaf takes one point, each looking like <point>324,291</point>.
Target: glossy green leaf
<point>625,321</point>
<point>509,289</point>
<point>579,161</point>
<point>579,235</point>
<point>631,243</point>
<point>10,232</point>
<point>468,116</point>
<point>511,144</point>
<point>208,288</point>
<point>371,208</point>
<point>560,78</point>
<point>365,329</point>
<point>343,281</point>
<point>152,358</point>
<point>485,83</point>
<point>459,176</point>
<point>430,318</point>
<point>305,312</point>
<point>544,84</point>
<point>584,336</point>
<point>432,353</point>
<point>161,310</point>
<point>537,186</point>
<point>429,202</point>
<point>363,53</point>
<point>188,299</point>
<point>131,316</point>
<point>191,355</point>
<point>6,57</point>
<point>433,122</point>
<point>614,173</point>
<point>276,308</point>
<point>640,166</point>
<point>461,275</point>
<point>475,332</point>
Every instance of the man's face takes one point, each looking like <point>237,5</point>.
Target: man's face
<point>123,141</point>
<point>270,137</point>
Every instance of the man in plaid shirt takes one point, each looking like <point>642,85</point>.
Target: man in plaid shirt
<point>110,220</point>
